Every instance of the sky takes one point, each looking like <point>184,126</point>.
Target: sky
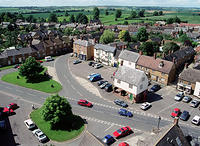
<point>164,3</point>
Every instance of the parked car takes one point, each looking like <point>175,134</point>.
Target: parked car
<point>97,66</point>
<point>103,85</point>
<point>29,124</point>
<point>90,63</point>
<point>12,106</point>
<point>94,63</point>
<point>40,135</point>
<point>194,103</point>
<point>184,116</point>
<point>84,103</point>
<point>96,77</point>
<point>40,61</point>
<point>108,139</point>
<point>124,112</point>
<point>48,58</point>
<point>196,120</point>
<point>155,88</point>
<point>145,106</point>
<point>89,76</point>
<point>77,61</point>
<point>3,125</point>
<point>99,83</point>
<point>123,144</point>
<point>122,132</point>
<point>16,65</point>
<point>187,99</point>
<point>120,103</point>
<point>179,96</point>
<point>8,111</point>
<point>108,87</point>
<point>176,112</point>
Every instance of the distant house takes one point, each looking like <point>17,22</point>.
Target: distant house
<point>188,81</point>
<point>119,45</point>
<point>83,49</point>
<point>104,54</point>
<point>157,69</point>
<point>134,82</point>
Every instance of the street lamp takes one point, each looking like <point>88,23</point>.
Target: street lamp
<point>159,118</point>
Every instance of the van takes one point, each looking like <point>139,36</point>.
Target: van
<point>48,58</point>
<point>95,77</point>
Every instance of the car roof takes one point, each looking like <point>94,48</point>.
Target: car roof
<point>82,100</point>
<point>108,136</point>
<point>121,109</point>
<point>177,109</point>
<point>197,117</point>
<point>29,121</point>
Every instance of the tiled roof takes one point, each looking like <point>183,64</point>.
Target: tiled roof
<point>14,52</point>
<point>106,48</point>
<point>190,75</point>
<point>129,75</point>
<point>83,42</point>
<point>155,64</point>
<point>129,56</point>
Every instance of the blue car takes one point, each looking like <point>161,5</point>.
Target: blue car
<point>108,139</point>
<point>124,112</point>
<point>95,77</point>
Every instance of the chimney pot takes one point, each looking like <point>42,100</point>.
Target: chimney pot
<point>154,55</point>
<point>140,52</point>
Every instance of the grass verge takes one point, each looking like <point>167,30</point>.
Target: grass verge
<point>44,86</point>
<point>56,135</point>
<point>6,67</point>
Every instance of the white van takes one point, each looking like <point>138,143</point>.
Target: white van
<point>48,58</point>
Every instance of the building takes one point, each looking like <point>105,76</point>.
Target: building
<point>157,69</point>
<point>128,58</point>
<point>104,54</point>
<point>132,81</point>
<point>188,81</point>
<point>83,49</point>
<point>197,89</point>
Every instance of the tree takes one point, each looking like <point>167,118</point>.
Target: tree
<point>31,69</point>
<point>30,18</point>
<point>106,13</point>
<point>170,21</point>
<point>177,19</point>
<point>125,22</point>
<point>96,13</point>
<point>134,39</point>
<point>72,18</point>
<point>148,48</point>
<point>124,36</point>
<point>141,13</point>
<point>107,37</point>
<point>142,34</point>
<point>160,13</point>
<point>66,13</point>
<point>81,18</point>
<point>155,13</point>
<point>68,31</point>
<point>53,17</point>
<point>133,14</point>
<point>118,13</point>
<point>57,111</point>
<point>184,38</point>
<point>171,46</point>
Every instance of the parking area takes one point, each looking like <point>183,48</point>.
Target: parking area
<point>162,101</point>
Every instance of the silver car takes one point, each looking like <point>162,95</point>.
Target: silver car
<point>40,135</point>
<point>194,103</point>
<point>179,96</point>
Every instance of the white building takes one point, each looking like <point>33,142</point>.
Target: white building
<point>128,58</point>
<point>197,89</point>
<point>133,81</point>
<point>104,54</point>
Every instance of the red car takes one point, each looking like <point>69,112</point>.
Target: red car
<point>123,144</point>
<point>122,132</point>
<point>40,61</point>
<point>175,112</point>
<point>12,106</point>
<point>84,103</point>
<point>8,111</point>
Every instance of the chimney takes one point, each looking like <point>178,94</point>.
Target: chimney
<point>176,121</point>
<point>140,52</point>
<point>186,65</point>
<point>154,55</point>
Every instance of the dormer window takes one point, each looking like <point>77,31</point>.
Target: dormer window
<point>161,64</point>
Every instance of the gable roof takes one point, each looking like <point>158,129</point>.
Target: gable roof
<point>155,64</point>
<point>83,43</point>
<point>130,75</point>
<point>190,75</point>
<point>14,52</point>
<point>129,56</point>
<point>105,48</point>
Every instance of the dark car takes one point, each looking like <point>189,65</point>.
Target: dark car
<point>124,112</point>
<point>108,139</point>
<point>77,61</point>
<point>94,64</point>
<point>3,125</point>
<point>187,99</point>
<point>155,88</point>
<point>185,115</point>
<point>90,63</point>
<point>108,87</point>
<point>99,83</point>
<point>120,103</point>
<point>102,86</point>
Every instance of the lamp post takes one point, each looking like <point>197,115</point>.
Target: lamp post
<point>159,118</point>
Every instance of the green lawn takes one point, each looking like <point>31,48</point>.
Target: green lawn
<point>44,86</point>
<point>56,135</point>
<point>6,67</point>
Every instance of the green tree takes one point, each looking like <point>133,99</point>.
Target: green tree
<point>68,31</point>
<point>72,18</point>
<point>149,48</point>
<point>66,13</point>
<point>124,36</point>
<point>81,18</point>
<point>133,14</point>
<point>106,13</point>
<point>96,13</point>
<point>125,22</point>
<point>155,13</point>
<point>31,69</point>
<point>142,34</point>
<point>171,46</point>
<point>107,37</point>
<point>118,13</point>
<point>53,18</point>
<point>170,21</point>
<point>177,19</point>
<point>141,13</point>
<point>160,13</point>
<point>57,111</point>
<point>184,38</point>
<point>134,39</point>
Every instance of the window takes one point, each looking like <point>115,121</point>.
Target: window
<point>118,81</point>
<point>141,86</point>
<point>131,86</point>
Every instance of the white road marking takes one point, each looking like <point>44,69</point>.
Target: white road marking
<point>167,107</point>
<point>109,127</point>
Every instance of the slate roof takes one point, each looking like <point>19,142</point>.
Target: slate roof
<point>129,56</point>
<point>155,64</point>
<point>190,75</point>
<point>129,75</point>
<point>14,52</point>
<point>105,48</point>
<point>117,54</point>
<point>83,42</point>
